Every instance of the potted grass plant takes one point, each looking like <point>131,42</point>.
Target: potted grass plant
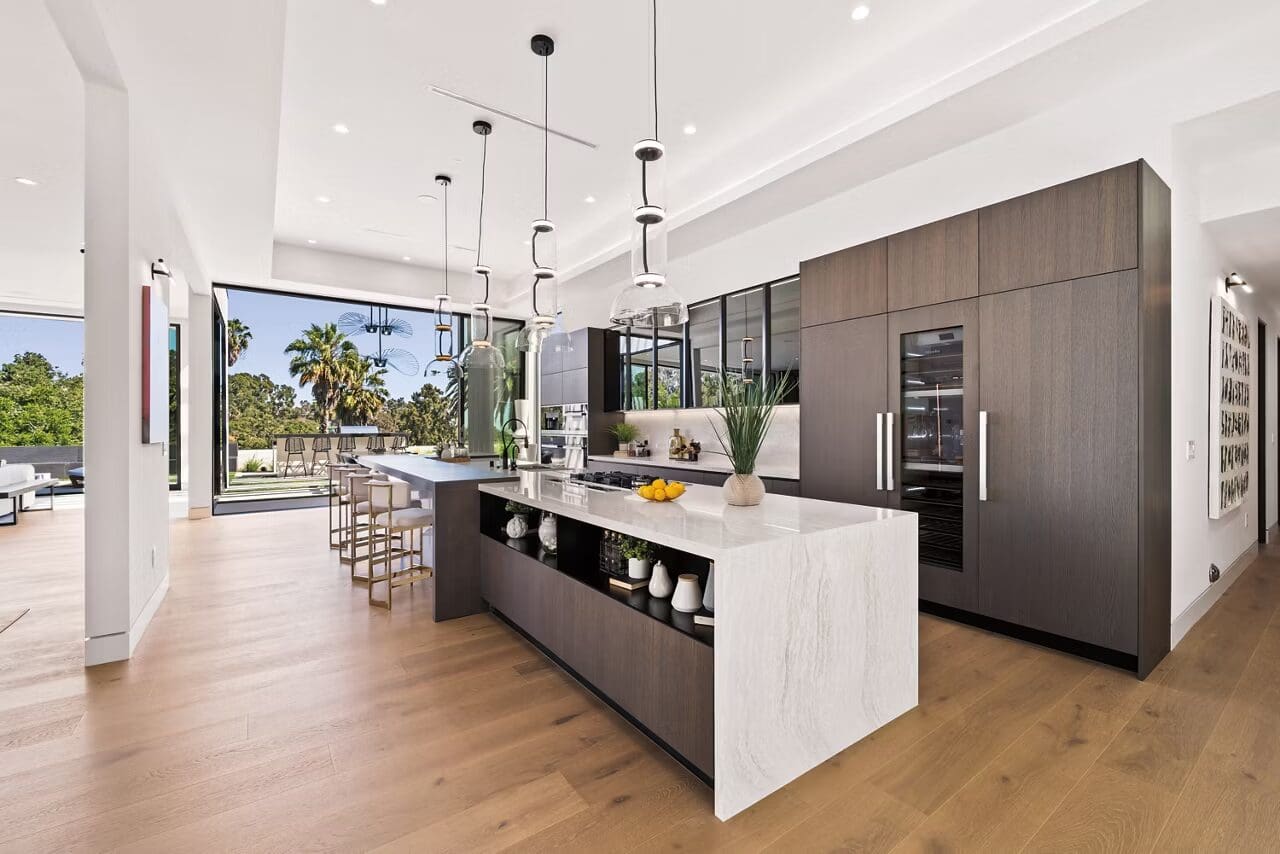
<point>747,410</point>
<point>626,434</point>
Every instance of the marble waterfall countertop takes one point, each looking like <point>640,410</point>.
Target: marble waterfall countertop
<point>816,618</point>
<point>716,466</point>
<point>699,522</point>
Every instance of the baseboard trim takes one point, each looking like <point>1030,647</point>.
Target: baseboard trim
<point>104,649</point>
<point>1191,615</point>
<point>199,512</point>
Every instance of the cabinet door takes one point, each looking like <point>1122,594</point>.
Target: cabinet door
<point>1058,529</point>
<point>933,396</point>
<point>550,361</point>
<point>552,390</point>
<point>579,353</point>
<point>574,386</point>
<point>934,263</point>
<point>1085,227</point>
<point>843,389</point>
<point>843,285</point>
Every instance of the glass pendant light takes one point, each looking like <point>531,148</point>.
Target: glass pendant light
<point>543,243</point>
<point>650,300</point>
<point>443,309</point>
<point>480,354</point>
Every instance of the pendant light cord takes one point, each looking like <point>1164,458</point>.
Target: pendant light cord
<point>484,160</point>
<point>546,134</point>
<point>446,239</point>
<point>655,69</point>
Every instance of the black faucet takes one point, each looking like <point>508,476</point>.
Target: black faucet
<point>510,444</point>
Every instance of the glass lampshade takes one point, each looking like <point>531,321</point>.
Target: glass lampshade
<point>558,340</point>
<point>643,307</point>
<point>482,356</point>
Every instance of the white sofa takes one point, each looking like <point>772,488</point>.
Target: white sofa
<point>11,473</point>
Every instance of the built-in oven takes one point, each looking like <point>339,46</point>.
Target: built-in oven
<point>564,449</point>
<point>553,418</point>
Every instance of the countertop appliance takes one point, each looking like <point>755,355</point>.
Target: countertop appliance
<point>615,479</point>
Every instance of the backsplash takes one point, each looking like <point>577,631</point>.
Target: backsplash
<point>780,456</point>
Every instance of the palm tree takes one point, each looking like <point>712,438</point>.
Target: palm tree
<point>363,391</point>
<point>318,361</point>
<point>238,338</point>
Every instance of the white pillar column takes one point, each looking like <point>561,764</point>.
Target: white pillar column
<point>200,407</point>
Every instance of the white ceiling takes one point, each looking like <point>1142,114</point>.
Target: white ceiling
<point>767,91</point>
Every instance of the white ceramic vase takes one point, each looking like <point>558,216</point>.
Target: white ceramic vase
<point>660,582</point>
<point>708,597</point>
<point>637,568</point>
<point>743,490</point>
<point>517,526</point>
<point>547,532</point>
<point>688,595</point>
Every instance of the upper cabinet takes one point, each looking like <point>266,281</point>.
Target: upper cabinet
<point>934,263</point>
<point>1082,228</point>
<point>844,285</point>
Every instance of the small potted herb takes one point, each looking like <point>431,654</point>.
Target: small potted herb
<point>518,524</point>
<point>640,554</point>
<point>626,434</point>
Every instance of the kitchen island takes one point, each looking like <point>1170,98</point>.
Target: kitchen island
<point>449,491</point>
<point>815,609</point>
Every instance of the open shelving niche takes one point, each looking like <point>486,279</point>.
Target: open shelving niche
<point>578,557</point>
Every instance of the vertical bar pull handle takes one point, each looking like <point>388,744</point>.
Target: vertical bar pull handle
<point>888,456</point>
<point>880,450</point>
<point>982,455</point>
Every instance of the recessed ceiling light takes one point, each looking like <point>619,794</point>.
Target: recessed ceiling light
<point>312,242</point>
<point>860,12</point>
<point>405,258</point>
<point>324,200</point>
<point>341,128</point>
<point>690,129</point>
<point>591,200</point>
<point>527,242</point>
<point>378,2</point>
<point>426,198</point>
<point>27,182</point>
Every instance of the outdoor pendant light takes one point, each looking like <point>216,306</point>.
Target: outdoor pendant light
<point>649,301</point>
<point>543,243</point>
<point>480,353</point>
<point>444,318</point>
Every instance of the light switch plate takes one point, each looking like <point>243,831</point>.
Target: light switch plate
<point>1191,449</point>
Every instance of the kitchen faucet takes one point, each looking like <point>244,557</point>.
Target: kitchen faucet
<point>509,444</point>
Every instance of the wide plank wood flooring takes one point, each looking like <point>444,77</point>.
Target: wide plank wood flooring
<point>268,708</point>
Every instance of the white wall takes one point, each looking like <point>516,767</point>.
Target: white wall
<point>1104,128</point>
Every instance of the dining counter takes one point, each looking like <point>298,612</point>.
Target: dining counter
<point>449,491</point>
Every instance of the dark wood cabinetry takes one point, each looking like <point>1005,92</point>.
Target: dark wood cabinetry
<point>1063,295</point>
<point>844,389</point>
<point>1059,527</point>
<point>843,285</point>
<point>934,263</point>
<point>1085,227</point>
<point>586,373</point>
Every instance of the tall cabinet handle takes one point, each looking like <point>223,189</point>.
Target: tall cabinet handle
<point>982,455</point>
<point>879,450</point>
<point>888,456</point>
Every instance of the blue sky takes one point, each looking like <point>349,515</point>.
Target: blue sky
<point>60,341</point>
<point>275,320</point>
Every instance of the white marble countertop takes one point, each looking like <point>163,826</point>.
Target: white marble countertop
<point>717,465</point>
<point>699,522</point>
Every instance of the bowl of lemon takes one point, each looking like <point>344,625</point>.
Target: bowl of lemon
<point>661,490</point>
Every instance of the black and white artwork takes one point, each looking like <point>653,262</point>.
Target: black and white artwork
<point>1230,350</point>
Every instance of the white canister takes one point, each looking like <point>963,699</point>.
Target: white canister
<point>547,532</point>
<point>660,582</point>
<point>517,527</point>
<point>688,595</point>
<point>638,568</point>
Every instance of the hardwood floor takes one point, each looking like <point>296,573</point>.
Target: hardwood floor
<point>269,708</point>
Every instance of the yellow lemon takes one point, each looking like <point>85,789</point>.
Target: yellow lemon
<point>675,490</point>
<point>646,492</point>
<point>659,484</point>
<point>659,494</point>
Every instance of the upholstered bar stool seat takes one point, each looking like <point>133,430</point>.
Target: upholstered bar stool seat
<point>406,519</point>
<point>397,536</point>
<point>340,500</point>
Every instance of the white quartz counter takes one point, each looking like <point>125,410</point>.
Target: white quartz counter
<point>716,465</point>
<point>699,522</point>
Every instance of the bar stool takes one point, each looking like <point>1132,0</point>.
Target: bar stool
<point>361,508</point>
<point>400,535</point>
<point>399,443</point>
<point>320,445</point>
<point>340,498</point>
<point>294,446</point>
<point>377,444</point>
<point>346,444</point>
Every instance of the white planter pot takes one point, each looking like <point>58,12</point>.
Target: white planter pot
<point>547,532</point>
<point>637,568</point>
<point>743,490</point>
<point>660,586</point>
<point>688,595</point>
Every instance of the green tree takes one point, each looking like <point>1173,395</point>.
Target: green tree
<point>318,361</point>
<point>259,408</point>
<point>40,405</point>
<point>363,391</point>
<point>425,417</point>
<point>238,338</point>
